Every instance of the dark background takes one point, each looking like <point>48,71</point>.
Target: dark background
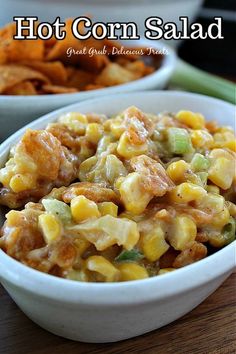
<point>215,56</point>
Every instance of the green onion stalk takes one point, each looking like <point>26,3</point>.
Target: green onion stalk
<point>192,79</point>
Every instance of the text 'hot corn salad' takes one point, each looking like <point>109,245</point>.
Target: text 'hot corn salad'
<point>150,194</point>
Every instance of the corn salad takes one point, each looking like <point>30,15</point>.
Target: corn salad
<point>136,195</point>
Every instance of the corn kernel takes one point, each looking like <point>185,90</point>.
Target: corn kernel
<point>86,150</point>
<point>202,139</point>
<point>183,231</point>
<point>216,239</point>
<point>5,176</point>
<point>82,209</point>
<point>232,208</point>
<point>78,275</point>
<point>50,227</point>
<point>132,271</point>
<point>119,182</point>
<point>108,208</point>
<point>230,145</point>
<point>213,202</point>
<point>134,198</point>
<point>75,121</point>
<point>163,214</point>
<point>221,172</point>
<point>225,140</point>
<point>216,154</point>
<point>128,150</point>
<point>12,217</point>
<point>94,132</point>
<point>107,124</point>
<point>213,189</point>
<point>225,129</point>
<point>11,162</point>
<point>85,168</point>
<point>102,266</point>
<point>176,170</point>
<point>117,127</point>
<point>221,218</point>
<point>21,183</point>
<point>81,245</point>
<point>154,245</point>
<point>187,192</point>
<point>165,270</point>
<point>24,163</point>
<point>191,119</point>
<point>127,215</point>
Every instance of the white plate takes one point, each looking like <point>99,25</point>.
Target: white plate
<point>16,111</point>
<point>98,312</point>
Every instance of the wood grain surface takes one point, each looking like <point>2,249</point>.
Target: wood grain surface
<point>209,329</point>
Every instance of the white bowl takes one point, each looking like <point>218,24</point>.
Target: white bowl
<point>17,111</point>
<point>98,312</point>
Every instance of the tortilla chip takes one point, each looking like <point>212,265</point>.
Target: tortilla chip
<point>136,66</point>
<point>10,75</point>
<point>85,61</point>
<point>94,60</point>
<point>121,60</point>
<point>139,68</point>
<point>24,88</point>
<point>114,74</point>
<point>58,89</point>
<point>115,44</point>
<point>18,50</point>
<point>3,55</point>
<point>79,78</point>
<point>5,33</point>
<point>111,44</point>
<point>55,71</point>
<point>94,63</point>
<point>59,50</point>
<point>148,70</point>
<point>129,52</point>
<point>8,31</point>
<point>49,43</point>
<point>93,87</point>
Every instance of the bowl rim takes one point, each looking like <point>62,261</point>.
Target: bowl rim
<point>129,292</point>
<point>44,118</point>
<point>167,67</point>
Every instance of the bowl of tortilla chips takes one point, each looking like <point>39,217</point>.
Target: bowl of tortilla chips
<point>38,76</point>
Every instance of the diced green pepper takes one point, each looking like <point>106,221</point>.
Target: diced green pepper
<point>229,231</point>
<point>203,177</point>
<point>199,163</point>
<point>179,141</point>
<point>226,236</point>
<point>59,209</point>
<point>132,255</point>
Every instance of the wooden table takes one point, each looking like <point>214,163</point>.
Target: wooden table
<point>209,329</point>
